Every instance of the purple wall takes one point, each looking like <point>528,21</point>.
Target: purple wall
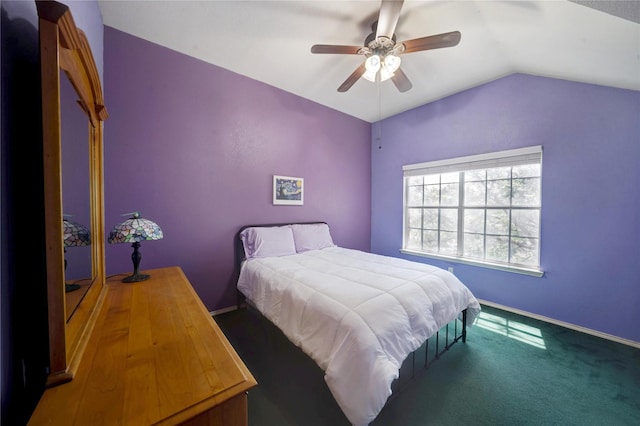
<point>193,147</point>
<point>590,242</point>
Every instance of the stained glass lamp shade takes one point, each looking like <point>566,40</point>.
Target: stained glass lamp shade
<point>134,230</point>
<point>73,235</point>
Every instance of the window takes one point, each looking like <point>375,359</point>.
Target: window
<point>483,209</point>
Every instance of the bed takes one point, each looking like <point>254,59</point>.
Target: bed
<point>360,316</point>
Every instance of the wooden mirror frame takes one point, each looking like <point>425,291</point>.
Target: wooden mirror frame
<point>65,47</point>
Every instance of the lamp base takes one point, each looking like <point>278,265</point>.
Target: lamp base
<point>135,278</point>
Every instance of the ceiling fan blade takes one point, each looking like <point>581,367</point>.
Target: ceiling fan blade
<point>401,80</point>
<point>388,18</point>
<point>437,41</point>
<point>332,48</point>
<point>350,81</point>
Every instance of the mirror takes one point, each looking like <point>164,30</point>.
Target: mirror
<point>76,204</point>
<point>69,75</point>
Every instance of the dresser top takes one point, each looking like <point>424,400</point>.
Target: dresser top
<point>155,356</point>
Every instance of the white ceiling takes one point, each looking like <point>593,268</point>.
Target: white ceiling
<point>586,41</point>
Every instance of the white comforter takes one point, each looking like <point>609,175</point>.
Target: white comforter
<point>357,315</point>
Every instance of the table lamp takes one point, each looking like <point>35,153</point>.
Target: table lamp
<point>134,230</point>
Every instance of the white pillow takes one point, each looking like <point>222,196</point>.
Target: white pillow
<point>312,236</point>
<point>268,241</point>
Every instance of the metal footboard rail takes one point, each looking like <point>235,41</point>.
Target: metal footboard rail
<point>447,344</point>
<point>422,358</point>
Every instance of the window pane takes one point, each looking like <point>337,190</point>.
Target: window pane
<point>526,170</point>
<point>497,248</point>
<point>474,193</point>
<point>430,219</point>
<point>432,179</point>
<point>449,219</point>
<point>450,177</point>
<point>525,223</point>
<point>498,192</point>
<point>414,196</point>
<point>498,221</point>
<point>414,180</point>
<point>474,220</point>
<point>432,195</point>
<point>448,242</point>
<point>430,240</point>
<point>413,239</point>
<point>499,173</point>
<point>449,194</point>
<point>524,251</point>
<point>415,218</point>
<point>526,192</point>
<point>494,217</point>
<point>474,245</point>
<point>475,175</point>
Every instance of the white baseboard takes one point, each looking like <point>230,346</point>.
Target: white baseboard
<point>562,324</point>
<point>519,312</point>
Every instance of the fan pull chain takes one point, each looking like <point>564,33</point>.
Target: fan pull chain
<point>379,116</point>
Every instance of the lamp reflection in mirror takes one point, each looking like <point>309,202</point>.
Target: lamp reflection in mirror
<point>73,235</point>
<point>134,230</point>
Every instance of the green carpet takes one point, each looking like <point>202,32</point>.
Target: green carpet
<point>513,370</point>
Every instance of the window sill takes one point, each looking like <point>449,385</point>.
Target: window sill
<point>515,269</point>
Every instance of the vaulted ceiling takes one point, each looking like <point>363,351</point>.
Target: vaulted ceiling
<point>594,42</point>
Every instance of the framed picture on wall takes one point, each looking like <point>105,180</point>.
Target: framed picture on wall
<point>288,190</point>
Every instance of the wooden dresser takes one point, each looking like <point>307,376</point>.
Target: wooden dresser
<point>155,357</point>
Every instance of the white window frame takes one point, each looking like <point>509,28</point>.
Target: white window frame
<point>511,157</point>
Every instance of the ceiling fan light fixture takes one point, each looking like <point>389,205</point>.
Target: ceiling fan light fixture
<point>385,74</point>
<point>392,63</point>
<point>370,75</point>
<point>372,63</point>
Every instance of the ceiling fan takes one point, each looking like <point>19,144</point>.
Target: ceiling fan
<point>382,52</point>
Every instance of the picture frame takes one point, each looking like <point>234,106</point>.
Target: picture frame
<point>288,190</point>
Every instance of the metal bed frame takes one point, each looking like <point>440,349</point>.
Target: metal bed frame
<point>431,350</point>
<point>416,363</point>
